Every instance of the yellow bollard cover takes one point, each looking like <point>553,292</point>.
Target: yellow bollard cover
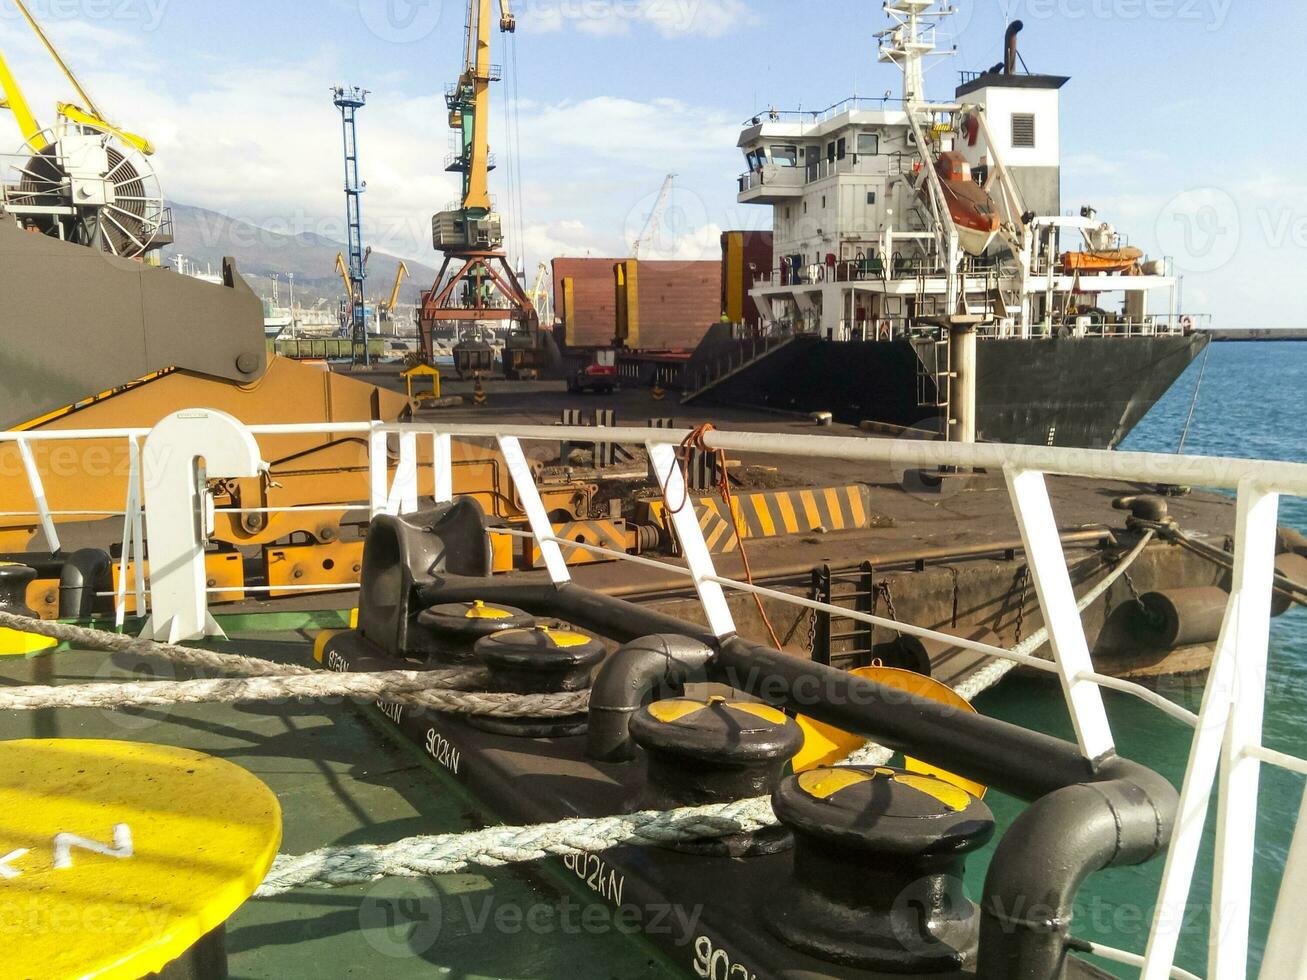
<point>118,857</point>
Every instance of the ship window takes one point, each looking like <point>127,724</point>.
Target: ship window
<point>871,197</point>
<point>868,144</point>
<point>830,152</point>
<point>840,148</point>
<point>785,154</point>
<point>1023,130</point>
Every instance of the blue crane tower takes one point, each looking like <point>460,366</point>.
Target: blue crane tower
<point>349,101</point>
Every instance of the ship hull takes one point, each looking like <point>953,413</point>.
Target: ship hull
<point>1065,391</point>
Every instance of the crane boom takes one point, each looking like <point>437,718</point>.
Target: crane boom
<point>654,222</point>
<point>16,102</point>
<point>400,274</point>
<point>86,115</point>
<point>87,101</point>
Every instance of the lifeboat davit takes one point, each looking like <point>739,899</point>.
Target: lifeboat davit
<point>973,210</point>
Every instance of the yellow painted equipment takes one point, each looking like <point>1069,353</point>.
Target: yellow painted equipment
<point>825,745</point>
<point>133,853</point>
<point>306,470</point>
<point>417,372</point>
<point>613,534</point>
<point>775,513</point>
<point>400,275</point>
<point>87,114</point>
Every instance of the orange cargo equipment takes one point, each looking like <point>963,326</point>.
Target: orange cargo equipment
<point>746,255</point>
<point>586,301</point>
<point>666,305</point>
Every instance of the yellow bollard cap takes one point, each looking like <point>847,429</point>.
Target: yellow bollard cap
<point>118,857</point>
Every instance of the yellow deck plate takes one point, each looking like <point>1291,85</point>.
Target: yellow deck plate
<point>825,745</point>
<point>118,857</point>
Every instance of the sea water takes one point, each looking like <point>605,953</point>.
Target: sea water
<point>1249,405</point>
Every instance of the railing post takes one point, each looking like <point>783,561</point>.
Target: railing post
<point>1250,594</point>
<point>1286,947</point>
<point>403,496</point>
<point>541,526</point>
<point>1057,599</point>
<point>131,536</point>
<point>442,462</point>
<point>685,519</point>
<point>1236,813</point>
<point>38,495</point>
<point>378,473</point>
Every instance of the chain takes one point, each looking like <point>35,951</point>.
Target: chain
<point>882,588</point>
<point>1023,579</point>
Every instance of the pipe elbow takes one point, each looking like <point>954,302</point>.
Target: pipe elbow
<point>1124,818</point>
<point>629,679</point>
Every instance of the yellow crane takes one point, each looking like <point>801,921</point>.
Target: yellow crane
<point>401,274</point>
<point>481,285</point>
<point>86,114</point>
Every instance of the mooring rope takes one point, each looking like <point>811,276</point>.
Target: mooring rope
<point>227,663</point>
<point>418,857</point>
<point>420,688</point>
<point>458,691</point>
<point>430,856</point>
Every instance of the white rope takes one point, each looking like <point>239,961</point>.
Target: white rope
<point>228,663</point>
<point>449,691</point>
<point>987,676</point>
<point>416,857</point>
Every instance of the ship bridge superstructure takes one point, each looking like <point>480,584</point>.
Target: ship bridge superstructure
<point>891,215</point>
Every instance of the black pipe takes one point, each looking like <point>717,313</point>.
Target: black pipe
<point>1010,47</point>
<point>1051,848</point>
<point>614,618</point>
<point>83,576</point>
<point>627,681</point>
<point>1085,814</point>
<point>992,752</point>
<point>989,751</point>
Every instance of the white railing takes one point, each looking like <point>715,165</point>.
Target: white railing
<point>1227,751</point>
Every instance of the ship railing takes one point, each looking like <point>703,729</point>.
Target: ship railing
<point>862,164</point>
<point>855,103</point>
<point>1227,750</point>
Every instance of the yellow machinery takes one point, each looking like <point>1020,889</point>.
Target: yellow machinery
<point>122,345</point>
<point>476,282</point>
<point>401,274</point>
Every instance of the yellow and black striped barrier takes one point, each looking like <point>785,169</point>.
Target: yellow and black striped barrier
<point>776,513</point>
<point>615,535</point>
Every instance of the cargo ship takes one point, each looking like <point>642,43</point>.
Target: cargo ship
<point>899,221</point>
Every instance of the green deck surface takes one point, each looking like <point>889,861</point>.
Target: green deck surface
<point>341,779</point>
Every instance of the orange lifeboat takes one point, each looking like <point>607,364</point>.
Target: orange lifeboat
<point>1124,261</point>
<point>972,209</point>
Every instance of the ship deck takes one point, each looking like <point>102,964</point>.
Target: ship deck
<point>341,780</point>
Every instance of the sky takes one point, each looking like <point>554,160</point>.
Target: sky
<point>1179,124</point>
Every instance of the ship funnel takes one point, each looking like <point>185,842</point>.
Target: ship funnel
<point>1010,47</point>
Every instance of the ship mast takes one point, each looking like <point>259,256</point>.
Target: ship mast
<point>907,44</point>
<point>910,41</point>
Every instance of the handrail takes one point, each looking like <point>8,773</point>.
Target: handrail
<point>1227,749</point>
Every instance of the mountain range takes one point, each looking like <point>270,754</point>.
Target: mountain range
<point>204,237</point>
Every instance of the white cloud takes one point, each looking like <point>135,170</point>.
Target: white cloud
<point>669,18</point>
